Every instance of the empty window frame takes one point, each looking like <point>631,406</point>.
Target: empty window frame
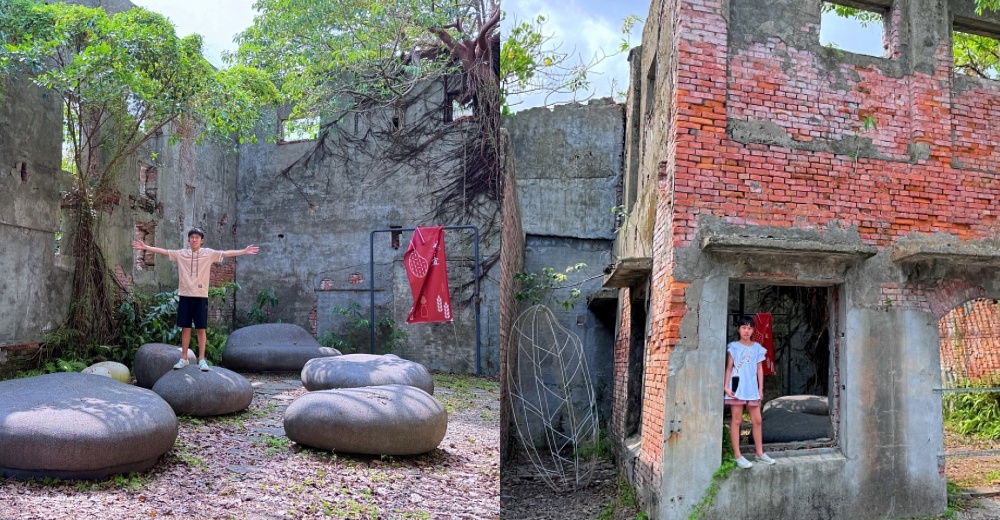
<point>799,406</point>
<point>976,48</point>
<point>301,129</point>
<point>858,27</point>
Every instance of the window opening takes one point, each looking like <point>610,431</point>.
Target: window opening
<point>798,403</point>
<point>147,181</point>
<point>858,28</point>
<point>976,52</point>
<point>636,368</point>
<point>301,129</point>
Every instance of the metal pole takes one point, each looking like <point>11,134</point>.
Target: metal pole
<point>476,285</point>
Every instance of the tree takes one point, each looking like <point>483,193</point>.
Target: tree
<point>331,58</point>
<point>122,80</point>
<point>533,61</point>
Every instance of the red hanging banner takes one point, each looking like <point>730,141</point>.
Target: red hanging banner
<point>426,268</point>
<point>762,334</point>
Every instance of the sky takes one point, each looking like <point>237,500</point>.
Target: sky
<point>583,28</point>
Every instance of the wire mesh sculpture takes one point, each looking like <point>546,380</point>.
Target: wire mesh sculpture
<point>553,402</point>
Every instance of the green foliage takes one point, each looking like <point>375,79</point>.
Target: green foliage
<point>624,504</point>
<point>260,311</point>
<point>722,473</point>
<point>355,334</point>
<point>974,413</point>
<point>331,55</point>
<point>531,61</point>
<point>542,287</point>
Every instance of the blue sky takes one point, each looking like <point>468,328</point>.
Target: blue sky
<point>584,28</point>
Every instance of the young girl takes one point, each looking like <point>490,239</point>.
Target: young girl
<point>745,386</point>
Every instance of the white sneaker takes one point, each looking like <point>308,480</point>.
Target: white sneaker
<point>203,365</point>
<point>744,463</point>
<point>181,364</point>
<point>764,459</point>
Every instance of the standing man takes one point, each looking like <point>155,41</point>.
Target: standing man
<point>193,272</point>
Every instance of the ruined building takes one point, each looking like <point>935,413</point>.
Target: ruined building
<point>310,202</point>
<point>762,164</point>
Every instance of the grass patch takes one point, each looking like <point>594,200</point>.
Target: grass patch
<point>462,391</point>
<point>276,444</point>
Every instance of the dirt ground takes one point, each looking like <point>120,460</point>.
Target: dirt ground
<point>242,466</point>
<point>526,497</point>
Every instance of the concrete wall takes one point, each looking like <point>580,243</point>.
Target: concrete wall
<point>764,173</point>
<point>34,290</point>
<point>314,224</point>
<point>569,165</point>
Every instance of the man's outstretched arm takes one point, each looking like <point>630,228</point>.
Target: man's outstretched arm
<point>139,244</point>
<point>249,250</point>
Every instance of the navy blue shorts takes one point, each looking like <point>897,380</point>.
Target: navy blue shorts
<point>192,310</point>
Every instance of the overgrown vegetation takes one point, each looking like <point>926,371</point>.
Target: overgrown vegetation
<point>727,466</point>
<point>974,412</point>
<point>122,79</point>
<point>354,335</point>
<point>624,504</point>
<point>550,286</point>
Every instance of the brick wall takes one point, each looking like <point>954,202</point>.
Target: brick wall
<point>15,359</point>
<point>511,261</point>
<point>970,343</point>
<point>767,131</point>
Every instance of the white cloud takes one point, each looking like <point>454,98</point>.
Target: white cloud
<point>585,34</point>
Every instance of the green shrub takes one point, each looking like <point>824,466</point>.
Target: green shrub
<point>975,412</point>
<point>355,334</point>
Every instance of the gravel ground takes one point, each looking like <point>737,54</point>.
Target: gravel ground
<point>242,466</point>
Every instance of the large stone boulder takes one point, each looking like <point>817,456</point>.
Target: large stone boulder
<point>356,370</point>
<point>374,420</point>
<point>810,404</point>
<point>191,392</point>
<point>272,347</point>
<point>152,360</point>
<point>780,425</point>
<point>81,426</point>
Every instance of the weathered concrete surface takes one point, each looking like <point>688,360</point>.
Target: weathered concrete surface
<point>357,370</point>
<point>569,164</point>
<point>272,347</point>
<point>78,426</point>
<point>311,221</point>
<point>152,360</point>
<point>34,291</point>
<point>375,420</point>
<point>592,329</point>
<point>191,392</point>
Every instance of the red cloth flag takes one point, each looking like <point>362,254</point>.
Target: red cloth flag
<point>762,334</point>
<point>427,271</point>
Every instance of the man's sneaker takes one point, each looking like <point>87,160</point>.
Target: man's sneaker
<point>181,364</point>
<point>764,459</point>
<point>744,463</point>
<point>203,365</point>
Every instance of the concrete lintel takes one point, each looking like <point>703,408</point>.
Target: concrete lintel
<point>628,272</point>
<point>744,245</point>
<point>956,254</point>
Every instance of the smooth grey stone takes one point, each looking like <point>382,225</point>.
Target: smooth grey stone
<point>194,393</point>
<point>356,370</point>
<point>152,360</point>
<point>780,425</point>
<point>811,404</point>
<point>81,426</point>
<point>272,347</point>
<point>374,420</point>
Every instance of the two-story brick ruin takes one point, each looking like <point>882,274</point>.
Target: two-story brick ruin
<point>750,169</point>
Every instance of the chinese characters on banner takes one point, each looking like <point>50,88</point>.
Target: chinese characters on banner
<point>762,334</point>
<point>426,269</point>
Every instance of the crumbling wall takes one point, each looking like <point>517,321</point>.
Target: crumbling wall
<point>765,172</point>
<point>314,221</point>
<point>569,163</point>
